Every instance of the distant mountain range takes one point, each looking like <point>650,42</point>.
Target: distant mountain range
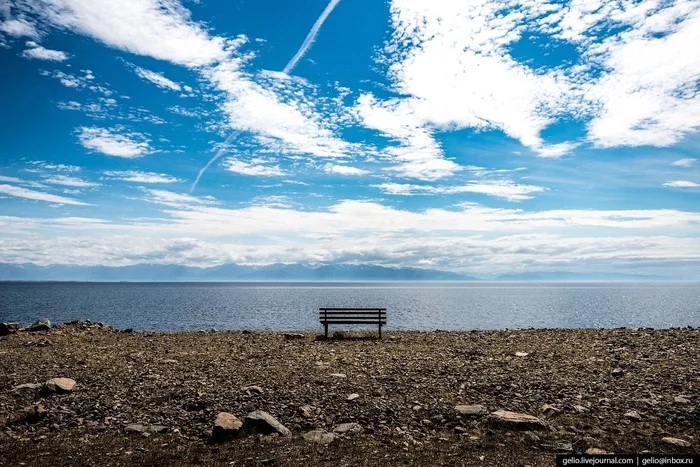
<point>226,272</point>
<point>285,272</point>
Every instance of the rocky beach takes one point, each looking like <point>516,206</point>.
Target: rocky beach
<point>85,393</point>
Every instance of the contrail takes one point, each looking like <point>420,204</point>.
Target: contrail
<point>211,161</point>
<point>311,36</point>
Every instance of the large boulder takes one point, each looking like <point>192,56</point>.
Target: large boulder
<point>8,328</point>
<point>519,421</point>
<point>226,426</point>
<point>59,386</point>
<point>262,422</point>
<point>42,325</point>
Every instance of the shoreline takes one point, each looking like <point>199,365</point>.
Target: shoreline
<point>618,390</point>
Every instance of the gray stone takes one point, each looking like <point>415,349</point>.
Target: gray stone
<point>681,400</point>
<point>252,390</point>
<point>27,386</point>
<point>307,411</point>
<point>353,396</point>
<point>676,442</point>
<point>633,415</point>
<point>135,428</point>
<point>42,325</point>
<point>226,426</point>
<point>263,423</point>
<point>319,436</point>
<point>348,428</point>
<point>471,410</point>
<point>157,429</point>
<point>506,419</point>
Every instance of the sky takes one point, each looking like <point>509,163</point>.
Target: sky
<point>480,137</point>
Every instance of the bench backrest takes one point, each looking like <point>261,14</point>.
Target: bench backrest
<point>352,315</point>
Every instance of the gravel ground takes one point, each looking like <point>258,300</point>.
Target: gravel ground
<point>621,390</point>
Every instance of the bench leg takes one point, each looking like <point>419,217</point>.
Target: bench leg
<point>326,329</point>
<point>380,331</point>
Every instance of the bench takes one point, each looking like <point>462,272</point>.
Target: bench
<point>353,316</point>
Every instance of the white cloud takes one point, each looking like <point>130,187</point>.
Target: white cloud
<point>681,184</point>
<point>343,170</point>
<point>687,162</point>
<point>111,143</point>
<point>505,189</point>
<point>41,53</point>
<point>57,167</point>
<point>19,28</point>
<point>19,192</point>
<point>473,238</point>
<point>157,79</point>
<point>141,177</point>
<point>254,167</point>
<point>66,180</point>
<point>178,200</point>
<point>161,29</point>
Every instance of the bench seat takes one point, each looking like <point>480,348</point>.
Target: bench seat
<point>352,316</point>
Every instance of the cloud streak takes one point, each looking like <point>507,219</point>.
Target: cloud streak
<point>311,36</point>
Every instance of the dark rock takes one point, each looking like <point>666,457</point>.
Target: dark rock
<point>128,330</point>
<point>263,423</point>
<point>617,372</point>
<point>37,413</point>
<point>8,328</point>
<point>292,335</point>
<point>226,426</point>
<point>506,419</point>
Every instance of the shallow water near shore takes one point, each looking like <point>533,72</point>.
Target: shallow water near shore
<point>411,306</point>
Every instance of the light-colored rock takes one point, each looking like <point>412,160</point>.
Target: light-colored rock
<point>506,419</point>
<point>135,428</point>
<point>549,409</point>
<point>676,442</point>
<point>27,386</point>
<point>521,354</point>
<point>681,400</point>
<point>263,423</point>
<point>580,409</point>
<point>250,390</point>
<point>307,411</point>
<point>633,415</point>
<point>348,428</point>
<point>595,451</point>
<point>59,386</point>
<point>617,372</point>
<point>471,410</point>
<point>319,436</point>
<point>339,375</point>
<point>352,396</point>
<point>42,325</point>
<point>226,426</point>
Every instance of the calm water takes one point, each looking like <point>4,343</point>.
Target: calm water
<point>294,306</point>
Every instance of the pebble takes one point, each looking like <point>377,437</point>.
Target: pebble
<point>353,396</point>
<point>506,419</point>
<point>471,410</point>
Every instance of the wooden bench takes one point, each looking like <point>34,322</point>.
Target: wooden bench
<point>353,316</point>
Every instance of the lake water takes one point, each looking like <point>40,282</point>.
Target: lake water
<point>414,306</point>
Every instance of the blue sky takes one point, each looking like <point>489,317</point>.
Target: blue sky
<point>480,137</point>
